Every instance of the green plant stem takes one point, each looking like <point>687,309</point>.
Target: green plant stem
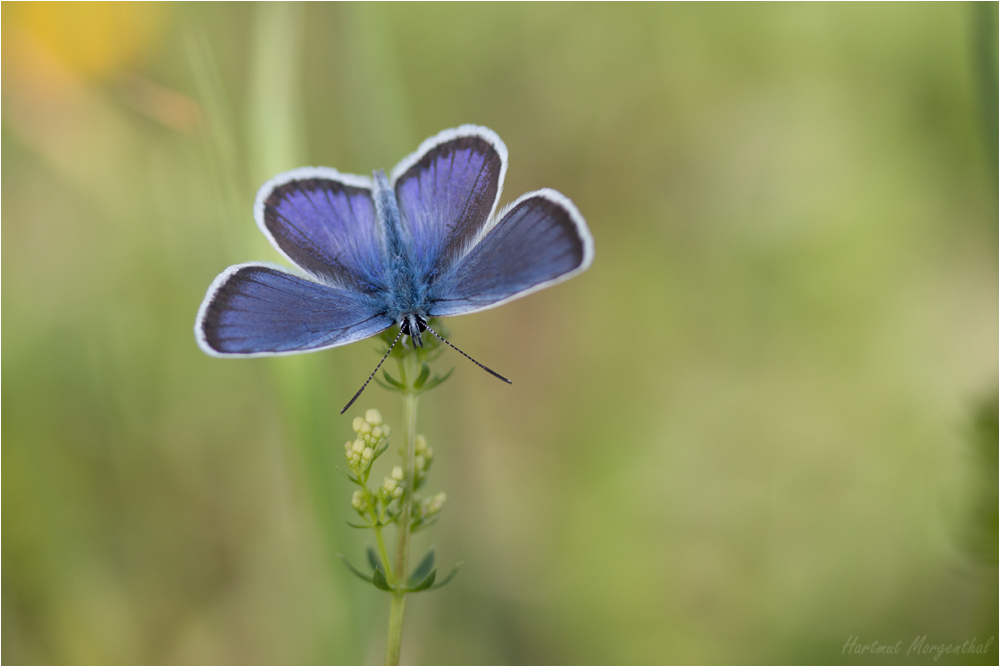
<point>409,373</point>
<point>395,628</point>
<point>403,548</point>
<point>380,540</point>
<point>384,555</point>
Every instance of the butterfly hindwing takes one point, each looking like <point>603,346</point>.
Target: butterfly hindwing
<point>446,192</point>
<point>539,241</point>
<point>257,310</point>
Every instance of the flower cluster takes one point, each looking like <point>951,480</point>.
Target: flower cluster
<point>392,486</point>
<point>428,507</point>
<point>425,510</point>
<point>395,501</point>
<point>371,442</point>
<point>372,436</point>
<point>422,461</point>
<point>379,506</point>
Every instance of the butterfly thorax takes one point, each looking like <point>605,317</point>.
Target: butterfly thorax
<point>407,299</point>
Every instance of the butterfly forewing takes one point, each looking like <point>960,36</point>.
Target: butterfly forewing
<point>325,222</point>
<point>446,192</point>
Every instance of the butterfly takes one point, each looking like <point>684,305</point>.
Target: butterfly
<point>398,250</point>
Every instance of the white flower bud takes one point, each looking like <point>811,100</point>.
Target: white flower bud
<point>397,493</point>
<point>429,453</point>
<point>389,485</point>
<point>421,444</point>
<point>420,462</point>
<point>437,501</point>
<point>358,446</point>
<point>377,432</point>
<point>358,500</point>
<point>357,424</point>
<point>397,473</point>
<point>367,454</point>
<point>373,417</point>
<point>385,430</point>
<point>347,447</point>
<point>365,427</point>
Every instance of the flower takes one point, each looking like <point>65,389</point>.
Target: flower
<point>358,500</point>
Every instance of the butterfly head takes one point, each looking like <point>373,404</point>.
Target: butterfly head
<point>413,326</point>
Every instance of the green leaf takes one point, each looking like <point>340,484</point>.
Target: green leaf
<point>358,525</point>
<point>425,372</point>
<point>437,379</point>
<point>349,476</point>
<point>393,381</point>
<point>451,575</point>
<point>373,559</point>
<point>420,571</point>
<point>420,524</point>
<point>425,583</point>
<point>356,571</point>
<point>379,580</point>
<point>428,355</point>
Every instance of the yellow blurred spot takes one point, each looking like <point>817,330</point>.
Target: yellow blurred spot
<point>94,39</point>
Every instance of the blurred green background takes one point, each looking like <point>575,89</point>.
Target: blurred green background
<point>763,423</point>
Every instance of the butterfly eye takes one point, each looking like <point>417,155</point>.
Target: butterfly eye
<point>413,326</point>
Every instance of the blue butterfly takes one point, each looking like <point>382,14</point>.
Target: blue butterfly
<point>391,251</point>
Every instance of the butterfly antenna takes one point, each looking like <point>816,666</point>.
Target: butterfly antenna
<point>384,357</point>
<point>488,370</point>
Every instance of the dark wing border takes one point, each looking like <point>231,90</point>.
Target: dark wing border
<point>444,136</point>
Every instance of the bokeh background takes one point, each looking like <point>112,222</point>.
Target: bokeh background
<point>763,423</point>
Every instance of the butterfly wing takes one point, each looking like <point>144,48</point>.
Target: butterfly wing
<point>539,241</point>
<point>325,223</point>
<point>255,310</point>
<point>446,192</point>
